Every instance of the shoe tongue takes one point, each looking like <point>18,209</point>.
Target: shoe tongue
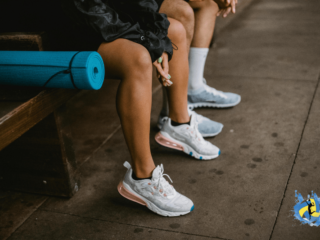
<point>156,173</point>
<point>193,119</point>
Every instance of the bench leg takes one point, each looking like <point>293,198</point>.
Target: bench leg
<point>42,160</point>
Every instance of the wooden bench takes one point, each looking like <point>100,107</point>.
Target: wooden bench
<point>36,148</point>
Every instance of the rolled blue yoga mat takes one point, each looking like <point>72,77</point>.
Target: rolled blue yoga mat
<point>81,70</point>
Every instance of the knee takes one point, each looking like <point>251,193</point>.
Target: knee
<point>210,6</point>
<point>140,62</point>
<point>185,13</point>
<point>213,6</point>
<point>177,32</point>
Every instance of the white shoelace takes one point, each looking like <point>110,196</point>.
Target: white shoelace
<point>194,132</point>
<point>199,117</point>
<point>162,182</point>
<point>215,92</point>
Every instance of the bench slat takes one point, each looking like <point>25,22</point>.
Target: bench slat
<point>24,117</point>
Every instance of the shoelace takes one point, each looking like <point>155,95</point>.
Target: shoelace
<point>199,118</point>
<point>215,92</point>
<point>162,182</point>
<point>194,132</point>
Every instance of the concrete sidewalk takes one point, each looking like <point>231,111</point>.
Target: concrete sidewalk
<point>270,55</point>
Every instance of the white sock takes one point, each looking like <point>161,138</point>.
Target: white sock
<point>197,60</point>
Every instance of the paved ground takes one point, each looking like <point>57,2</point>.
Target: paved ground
<point>270,54</point>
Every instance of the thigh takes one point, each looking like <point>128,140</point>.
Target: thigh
<point>122,55</point>
<point>174,8</point>
<point>202,4</point>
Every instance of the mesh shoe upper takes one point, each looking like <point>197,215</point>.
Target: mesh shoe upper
<point>159,191</point>
<point>190,135</point>
<point>211,95</point>
<point>206,126</point>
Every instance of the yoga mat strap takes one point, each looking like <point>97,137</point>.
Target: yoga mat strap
<point>67,71</point>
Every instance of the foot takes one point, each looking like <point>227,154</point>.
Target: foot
<point>156,194</point>
<point>187,138</point>
<point>206,127</point>
<point>207,96</point>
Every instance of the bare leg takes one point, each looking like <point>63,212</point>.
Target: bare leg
<point>179,70</point>
<point>205,13</point>
<point>198,22</point>
<point>131,63</point>
<point>181,11</point>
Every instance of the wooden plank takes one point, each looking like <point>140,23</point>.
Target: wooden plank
<point>24,117</point>
<point>19,41</point>
<point>67,149</point>
<point>35,157</point>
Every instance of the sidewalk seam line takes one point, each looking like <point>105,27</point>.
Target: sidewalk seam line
<point>35,210</point>
<point>296,155</point>
<point>128,224</point>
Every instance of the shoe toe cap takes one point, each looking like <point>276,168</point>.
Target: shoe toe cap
<point>187,204</point>
<point>232,98</point>
<point>214,150</point>
<point>209,127</point>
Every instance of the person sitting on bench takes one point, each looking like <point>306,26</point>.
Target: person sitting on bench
<point>134,37</point>
<point>198,18</point>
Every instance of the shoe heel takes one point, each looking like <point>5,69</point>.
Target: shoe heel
<point>127,194</point>
<point>166,142</point>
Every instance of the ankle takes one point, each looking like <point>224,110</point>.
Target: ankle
<point>134,176</point>
<point>175,124</point>
<point>143,170</point>
<point>180,118</point>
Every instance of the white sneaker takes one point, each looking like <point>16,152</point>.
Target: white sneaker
<point>156,194</point>
<point>206,126</point>
<point>187,138</point>
<point>207,96</point>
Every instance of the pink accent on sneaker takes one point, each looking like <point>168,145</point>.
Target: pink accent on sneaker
<point>129,195</point>
<point>162,140</point>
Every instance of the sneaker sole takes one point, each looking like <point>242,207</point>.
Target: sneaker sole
<point>212,105</point>
<point>126,191</point>
<point>203,135</point>
<point>169,142</point>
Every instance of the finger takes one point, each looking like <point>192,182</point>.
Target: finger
<point>169,82</point>
<point>218,14</point>
<point>233,5</point>
<point>227,12</point>
<point>165,64</point>
<point>160,70</point>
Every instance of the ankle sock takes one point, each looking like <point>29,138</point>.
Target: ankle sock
<point>136,178</point>
<point>197,61</point>
<point>175,124</point>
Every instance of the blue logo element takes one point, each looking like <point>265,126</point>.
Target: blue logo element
<point>307,211</point>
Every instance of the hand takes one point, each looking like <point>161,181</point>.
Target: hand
<point>163,70</point>
<point>232,7</point>
<point>223,4</point>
